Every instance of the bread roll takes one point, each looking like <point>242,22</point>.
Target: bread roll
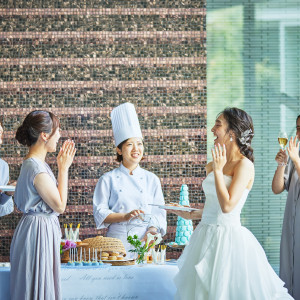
<point>112,258</point>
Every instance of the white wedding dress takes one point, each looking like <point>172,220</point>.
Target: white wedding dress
<point>223,260</point>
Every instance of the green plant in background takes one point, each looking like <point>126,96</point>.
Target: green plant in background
<point>225,80</point>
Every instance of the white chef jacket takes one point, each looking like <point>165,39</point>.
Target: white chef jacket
<point>6,202</point>
<point>119,192</point>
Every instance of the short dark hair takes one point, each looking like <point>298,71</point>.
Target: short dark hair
<point>34,124</point>
<point>119,156</point>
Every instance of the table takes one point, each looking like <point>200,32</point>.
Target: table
<point>145,282</point>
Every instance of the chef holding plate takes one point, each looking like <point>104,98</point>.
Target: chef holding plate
<point>122,196</point>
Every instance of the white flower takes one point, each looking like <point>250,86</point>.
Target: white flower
<point>245,137</point>
<point>158,239</point>
<point>150,237</point>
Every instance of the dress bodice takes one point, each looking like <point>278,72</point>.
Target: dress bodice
<point>212,213</point>
<point>26,197</point>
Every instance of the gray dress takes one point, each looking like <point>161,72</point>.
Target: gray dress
<point>34,252</point>
<point>290,238</point>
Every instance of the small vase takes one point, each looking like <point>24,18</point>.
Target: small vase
<point>141,262</point>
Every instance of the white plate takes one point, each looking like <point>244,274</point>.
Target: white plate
<point>7,188</point>
<point>175,207</point>
<point>175,246</point>
<point>108,261</point>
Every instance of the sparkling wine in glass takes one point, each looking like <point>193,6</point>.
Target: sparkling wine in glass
<point>282,139</point>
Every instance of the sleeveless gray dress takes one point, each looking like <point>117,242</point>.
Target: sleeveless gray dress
<point>290,236</point>
<point>34,252</point>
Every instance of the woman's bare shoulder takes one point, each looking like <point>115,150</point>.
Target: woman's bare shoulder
<point>245,165</point>
<point>246,162</point>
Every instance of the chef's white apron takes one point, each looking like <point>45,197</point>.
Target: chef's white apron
<point>122,230</point>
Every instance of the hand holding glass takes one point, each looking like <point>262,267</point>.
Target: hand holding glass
<point>282,139</point>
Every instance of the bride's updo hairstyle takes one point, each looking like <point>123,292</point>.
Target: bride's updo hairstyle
<point>241,124</point>
<point>34,124</point>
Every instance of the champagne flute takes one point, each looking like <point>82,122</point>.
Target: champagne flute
<point>282,139</point>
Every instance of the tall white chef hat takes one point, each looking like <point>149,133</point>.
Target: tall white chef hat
<point>125,123</point>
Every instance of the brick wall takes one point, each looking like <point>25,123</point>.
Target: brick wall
<point>80,59</point>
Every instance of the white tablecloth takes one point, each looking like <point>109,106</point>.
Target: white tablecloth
<point>111,283</point>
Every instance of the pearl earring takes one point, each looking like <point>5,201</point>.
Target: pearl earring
<point>231,139</point>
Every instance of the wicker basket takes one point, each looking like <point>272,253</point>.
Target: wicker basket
<point>65,256</point>
<point>106,244</point>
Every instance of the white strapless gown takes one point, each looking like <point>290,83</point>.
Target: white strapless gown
<point>223,260</point>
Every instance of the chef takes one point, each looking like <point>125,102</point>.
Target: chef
<point>123,197</point>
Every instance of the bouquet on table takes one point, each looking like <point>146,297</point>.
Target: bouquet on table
<point>140,249</point>
<point>66,246</point>
<point>69,243</point>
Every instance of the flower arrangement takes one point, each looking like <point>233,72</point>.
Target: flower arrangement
<point>68,245</point>
<point>140,249</point>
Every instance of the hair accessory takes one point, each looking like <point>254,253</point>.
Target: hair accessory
<point>245,137</point>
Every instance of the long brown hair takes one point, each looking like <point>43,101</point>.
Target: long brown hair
<point>242,125</point>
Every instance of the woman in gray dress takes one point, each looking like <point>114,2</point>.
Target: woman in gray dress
<point>34,253</point>
<point>287,177</point>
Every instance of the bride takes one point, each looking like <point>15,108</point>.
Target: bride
<point>223,260</point>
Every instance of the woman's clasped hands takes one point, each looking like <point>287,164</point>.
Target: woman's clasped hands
<point>66,154</point>
<point>219,157</point>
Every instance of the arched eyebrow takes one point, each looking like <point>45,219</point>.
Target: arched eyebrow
<point>218,121</point>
